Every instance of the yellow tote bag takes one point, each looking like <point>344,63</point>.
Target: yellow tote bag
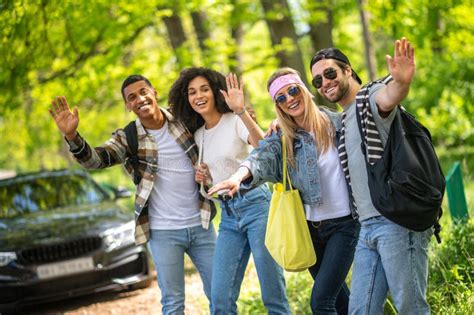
<point>287,237</point>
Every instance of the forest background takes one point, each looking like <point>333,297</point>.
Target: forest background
<point>85,49</point>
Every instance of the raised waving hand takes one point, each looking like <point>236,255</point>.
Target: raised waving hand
<point>402,65</point>
<point>402,68</point>
<point>234,96</point>
<point>66,120</point>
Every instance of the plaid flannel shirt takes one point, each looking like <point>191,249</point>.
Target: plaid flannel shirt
<point>115,151</point>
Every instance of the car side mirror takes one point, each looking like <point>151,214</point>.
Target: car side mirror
<point>122,192</point>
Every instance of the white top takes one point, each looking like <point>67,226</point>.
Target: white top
<point>333,189</point>
<point>224,146</point>
<point>173,202</point>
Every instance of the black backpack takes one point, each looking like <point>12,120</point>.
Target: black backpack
<point>132,140</point>
<point>407,184</point>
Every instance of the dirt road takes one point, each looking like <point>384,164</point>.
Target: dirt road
<point>138,302</point>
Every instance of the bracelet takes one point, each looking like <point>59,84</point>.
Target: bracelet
<point>243,111</point>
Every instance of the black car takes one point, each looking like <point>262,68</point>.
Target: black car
<point>62,235</point>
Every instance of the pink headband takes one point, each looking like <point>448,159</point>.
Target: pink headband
<point>282,81</point>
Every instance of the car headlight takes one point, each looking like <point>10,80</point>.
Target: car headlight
<point>6,258</point>
<point>119,236</point>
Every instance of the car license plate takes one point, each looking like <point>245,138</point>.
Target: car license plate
<point>65,268</point>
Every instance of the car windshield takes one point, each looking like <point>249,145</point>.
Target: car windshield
<point>42,193</point>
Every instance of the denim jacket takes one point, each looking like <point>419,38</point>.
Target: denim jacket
<point>265,163</point>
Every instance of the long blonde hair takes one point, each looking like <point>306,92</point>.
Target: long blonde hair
<point>320,124</point>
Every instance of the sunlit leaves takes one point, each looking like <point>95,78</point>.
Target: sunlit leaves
<point>84,50</point>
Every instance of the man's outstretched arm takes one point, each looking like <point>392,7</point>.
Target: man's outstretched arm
<point>110,153</point>
<point>402,69</point>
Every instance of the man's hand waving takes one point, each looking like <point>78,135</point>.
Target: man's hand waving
<point>66,120</point>
<point>402,68</point>
<point>402,65</point>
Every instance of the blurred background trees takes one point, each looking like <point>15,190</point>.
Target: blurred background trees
<point>84,50</point>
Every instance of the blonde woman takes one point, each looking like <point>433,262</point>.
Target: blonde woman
<point>315,171</point>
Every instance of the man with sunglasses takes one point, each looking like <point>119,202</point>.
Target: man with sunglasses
<point>388,258</point>
<point>169,211</point>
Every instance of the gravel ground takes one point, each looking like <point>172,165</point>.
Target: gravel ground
<point>139,302</point>
<point>143,301</point>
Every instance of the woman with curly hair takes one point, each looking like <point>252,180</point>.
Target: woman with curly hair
<point>315,170</point>
<point>212,107</point>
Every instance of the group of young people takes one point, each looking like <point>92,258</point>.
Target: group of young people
<point>201,146</point>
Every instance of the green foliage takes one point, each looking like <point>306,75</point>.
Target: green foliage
<point>451,272</point>
<point>298,291</point>
<point>84,50</point>
<point>443,89</point>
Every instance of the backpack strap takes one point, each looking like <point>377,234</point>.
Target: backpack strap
<point>132,140</point>
<point>371,144</point>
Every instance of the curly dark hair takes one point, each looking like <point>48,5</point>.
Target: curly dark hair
<point>178,96</point>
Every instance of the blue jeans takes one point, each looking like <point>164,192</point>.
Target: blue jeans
<point>241,232</point>
<point>390,258</point>
<point>334,241</point>
<point>168,248</point>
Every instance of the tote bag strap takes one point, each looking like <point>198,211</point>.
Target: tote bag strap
<point>285,170</point>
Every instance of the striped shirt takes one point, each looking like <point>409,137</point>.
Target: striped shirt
<point>115,151</point>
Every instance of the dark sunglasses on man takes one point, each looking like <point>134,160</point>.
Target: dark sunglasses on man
<point>329,73</point>
<point>292,91</point>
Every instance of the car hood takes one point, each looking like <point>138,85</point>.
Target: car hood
<point>36,229</point>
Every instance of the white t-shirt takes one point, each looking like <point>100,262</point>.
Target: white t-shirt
<point>173,202</point>
<point>333,189</point>
<point>225,146</point>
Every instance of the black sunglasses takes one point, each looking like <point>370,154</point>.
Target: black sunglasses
<point>329,73</point>
<point>292,91</point>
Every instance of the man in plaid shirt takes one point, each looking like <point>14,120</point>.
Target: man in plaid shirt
<point>169,211</point>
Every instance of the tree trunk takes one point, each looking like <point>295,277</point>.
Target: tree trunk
<point>201,27</point>
<point>369,52</point>
<point>435,22</point>
<point>283,35</point>
<point>177,37</point>
<point>320,30</point>
<point>236,61</point>
<point>393,8</point>
<point>320,33</point>
<point>236,30</point>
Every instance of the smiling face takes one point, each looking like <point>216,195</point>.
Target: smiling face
<point>141,99</point>
<point>336,89</point>
<point>292,102</point>
<point>200,96</point>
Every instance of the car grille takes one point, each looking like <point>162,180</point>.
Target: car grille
<point>61,251</point>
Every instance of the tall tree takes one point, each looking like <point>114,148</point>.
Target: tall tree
<point>320,23</point>
<point>435,23</point>
<point>368,48</point>
<point>320,32</point>
<point>201,27</point>
<point>176,35</point>
<point>237,34</point>
<point>236,61</point>
<point>283,35</point>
